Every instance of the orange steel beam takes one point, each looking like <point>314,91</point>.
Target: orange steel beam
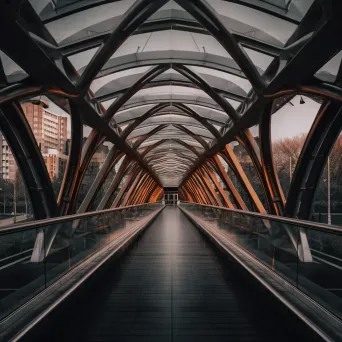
<point>135,189</point>
<point>150,184</point>
<point>192,198</point>
<point>234,163</point>
<point>144,188</point>
<point>251,147</point>
<point>138,195</point>
<point>132,185</point>
<point>229,184</point>
<point>146,191</point>
<point>209,187</point>
<point>155,195</point>
<point>135,171</point>
<point>189,192</point>
<point>218,186</point>
<point>124,167</point>
<point>147,188</point>
<point>201,185</point>
<point>149,191</point>
<point>195,191</point>
<point>153,190</point>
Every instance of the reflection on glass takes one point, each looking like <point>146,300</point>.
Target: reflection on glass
<point>310,259</point>
<point>76,240</point>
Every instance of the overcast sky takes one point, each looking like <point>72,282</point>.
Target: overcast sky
<point>290,120</point>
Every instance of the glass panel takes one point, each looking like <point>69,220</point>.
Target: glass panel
<point>208,113</point>
<point>273,243</point>
<point>307,257</point>
<point>329,71</point>
<point>248,167</point>
<point>92,170</point>
<point>170,10</point>
<point>22,278</point>
<point>327,204</point>
<point>87,23</point>
<point>14,73</point>
<point>167,98</point>
<point>114,79</point>
<point>235,104</point>
<point>260,60</point>
<point>107,104</point>
<point>230,82</point>
<point>82,59</point>
<point>171,40</point>
<point>321,279</point>
<point>170,90</point>
<point>254,23</point>
<point>131,114</point>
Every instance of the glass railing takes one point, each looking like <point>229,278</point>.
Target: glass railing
<point>77,237</point>
<point>306,254</point>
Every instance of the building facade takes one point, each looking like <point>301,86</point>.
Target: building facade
<point>50,131</point>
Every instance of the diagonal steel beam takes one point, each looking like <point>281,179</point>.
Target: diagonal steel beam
<point>140,11</point>
<point>207,16</point>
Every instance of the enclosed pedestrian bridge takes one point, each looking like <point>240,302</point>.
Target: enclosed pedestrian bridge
<point>170,170</point>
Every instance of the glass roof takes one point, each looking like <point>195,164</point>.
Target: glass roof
<point>13,72</point>
<point>169,106</point>
<point>329,71</point>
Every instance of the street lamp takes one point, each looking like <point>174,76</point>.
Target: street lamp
<point>329,200</point>
<point>327,180</point>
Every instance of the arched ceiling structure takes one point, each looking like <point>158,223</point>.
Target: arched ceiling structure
<point>170,83</point>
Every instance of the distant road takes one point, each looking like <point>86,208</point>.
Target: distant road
<point>9,221</point>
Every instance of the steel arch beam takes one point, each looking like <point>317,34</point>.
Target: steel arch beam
<point>203,121</point>
<point>206,16</point>
<point>128,130</point>
<point>267,162</point>
<point>239,202</point>
<point>140,190</point>
<point>140,11</point>
<point>198,190</point>
<point>125,165</point>
<point>21,140</point>
<point>24,147</point>
<point>96,138</point>
<point>312,160</point>
<point>245,137</point>
<point>130,183</point>
<point>234,163</point>
<point>208,189</point>
<point>74,161</point>
<point>168,24</point>
<point>228,202</point>
<point>109,163</point>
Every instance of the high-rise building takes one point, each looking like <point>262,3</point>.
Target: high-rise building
<point>55,163</point>
<point>50,131</point>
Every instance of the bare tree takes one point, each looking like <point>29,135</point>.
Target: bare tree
<point>285,154</point>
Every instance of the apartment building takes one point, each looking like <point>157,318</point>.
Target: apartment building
<point>50,131</point>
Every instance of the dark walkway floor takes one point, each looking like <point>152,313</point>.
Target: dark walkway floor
<point>173,287</point>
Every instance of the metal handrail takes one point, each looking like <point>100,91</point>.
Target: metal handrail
<point>55,220</point>
<point>301,223</point>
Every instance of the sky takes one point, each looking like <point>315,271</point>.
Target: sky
<point>291,121</point>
